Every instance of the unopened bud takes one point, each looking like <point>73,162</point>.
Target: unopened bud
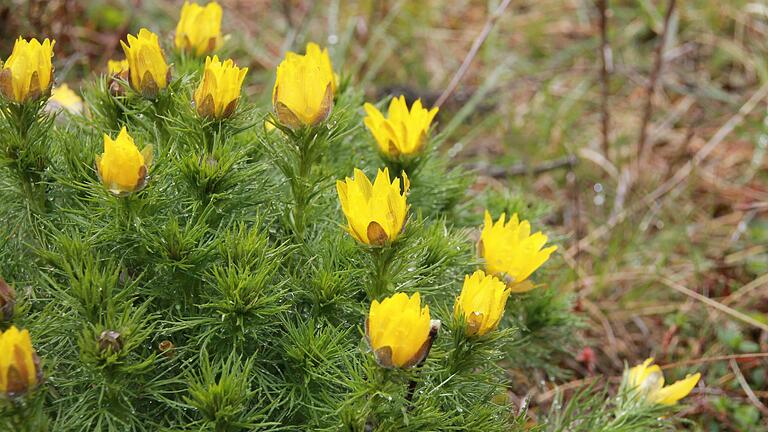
<point>110,340</point>
<point>167,349</point>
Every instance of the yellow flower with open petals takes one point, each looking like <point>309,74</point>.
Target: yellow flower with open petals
<point>28,72</point>
<point>402,132</point>
<point>219,90</point>
<point>303,91</point>
<point>511,252</point>
<point>648,379</point>
<point>19,365</point>
<point>375,212</point>
<point>399,331</point>
<point>147,69</point>
<point>199,28</point>
<point>481,302</point>
<point>63,97</point>
<point>122,167</point>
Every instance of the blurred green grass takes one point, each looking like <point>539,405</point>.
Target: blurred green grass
<point>532,95</point>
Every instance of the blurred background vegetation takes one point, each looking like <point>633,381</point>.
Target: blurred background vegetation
<point>665,243</point>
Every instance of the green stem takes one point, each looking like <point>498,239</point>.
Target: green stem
<point>382,263</point>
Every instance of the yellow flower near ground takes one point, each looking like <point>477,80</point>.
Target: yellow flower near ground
<point>219,90</point>
<point>511,252</point>
<point>122,168</point>
<point>199,28</point>
<point>63,97</point>
<point>481,302</point>
<point>648,379</point>
<point>147,69</point>
<point>375,212</point>
<point>303,91</point>
<point>19,365</point>
<point>28,72</point>
<point>399,330</point>
<point>402,132</point>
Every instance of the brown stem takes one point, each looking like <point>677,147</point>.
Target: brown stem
<point>605,54</point>
<point>457,77</point>
<point>652,82</point>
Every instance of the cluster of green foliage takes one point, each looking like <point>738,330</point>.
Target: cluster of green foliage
<point>227,296</point>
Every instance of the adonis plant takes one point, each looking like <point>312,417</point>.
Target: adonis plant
<point>178,257</point>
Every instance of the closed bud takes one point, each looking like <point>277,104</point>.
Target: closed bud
<point>399,331</point>
<point>376,213</point>
<point>19,364</point>
<point>117,70</point>
<point>481,303</point>
<point>167,349</point>
<point>7,301</point>
<point>219,91</point>
<point>511,252</point>
<point>402,133</point>
<point>148,72</point>
<point>122,167</point>
<point>110,340</point>
<point>199,28</point>
<point>28,72</point>
<point>303,92</point>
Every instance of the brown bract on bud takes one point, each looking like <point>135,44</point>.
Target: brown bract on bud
<point>110,340</point>
<point>7,301</point>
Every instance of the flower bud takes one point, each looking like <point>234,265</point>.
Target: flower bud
<point>648,379</point>
<point>117,70</point>
<point>303,92</point>
<point>399,331</point>
<point>122,168</point>
<point>7,301</point>
<point>219,90</point>
<point>403,132</point>
<point>167,349</point>
<point>28,72</point>
<point>375,212</point>
<point>147,70</point>
<point>110,340</point>
<point>19,364</point>
<point>481,303</point>
<point>199,28</point>
<point>511,252</point>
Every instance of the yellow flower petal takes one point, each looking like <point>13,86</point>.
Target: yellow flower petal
<point>147,68</point>
<point>18,369</point>
<point>482,302</point>
<point>219,90</point>
<point>400,326</point>
<point>404,132</point>
<point>304,88</point>
<point>122,168</point>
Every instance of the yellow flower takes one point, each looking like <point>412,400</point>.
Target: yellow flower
<point>400,331</point>
<point>403,132</point>
<point>147,69</point>
<point>649,380</point>
<point>199,28</point>
<point>219,90</point>
<point>63,97</point>
<point>117,67</point>
<point>122,168</point>
<point>375,212</point>
<point>303,92</point>
<point>511,252</point>
<point>28,72</point>
<point>19,365</point>
<point>481,302</point>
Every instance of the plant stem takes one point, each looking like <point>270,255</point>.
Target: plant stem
<point>382,260</point>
